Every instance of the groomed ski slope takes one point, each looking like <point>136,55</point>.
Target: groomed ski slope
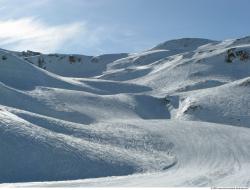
<point>177,154</point>
<point>175,115</point>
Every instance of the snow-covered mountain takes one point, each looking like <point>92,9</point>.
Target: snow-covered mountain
<point>177,114</point>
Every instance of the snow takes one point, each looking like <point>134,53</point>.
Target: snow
<point>184,44</point>
<point>84,66</point>
<point>186,154</point>
<point>175,115</point>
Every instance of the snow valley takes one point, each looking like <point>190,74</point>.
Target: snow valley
<point>174,115</point>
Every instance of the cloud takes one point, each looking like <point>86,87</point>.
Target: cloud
<point>30,33</point>
<point>30,27</point>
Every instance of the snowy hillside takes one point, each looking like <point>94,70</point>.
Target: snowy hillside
<point>177,114</point>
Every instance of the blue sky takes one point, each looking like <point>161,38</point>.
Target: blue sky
<point>111,26</point>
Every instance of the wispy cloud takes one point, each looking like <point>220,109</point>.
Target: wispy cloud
<point>29,33</point>
<point>58,26</point>
<point>79,37</point>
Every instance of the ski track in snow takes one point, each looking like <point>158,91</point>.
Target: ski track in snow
<point>175,115</point>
